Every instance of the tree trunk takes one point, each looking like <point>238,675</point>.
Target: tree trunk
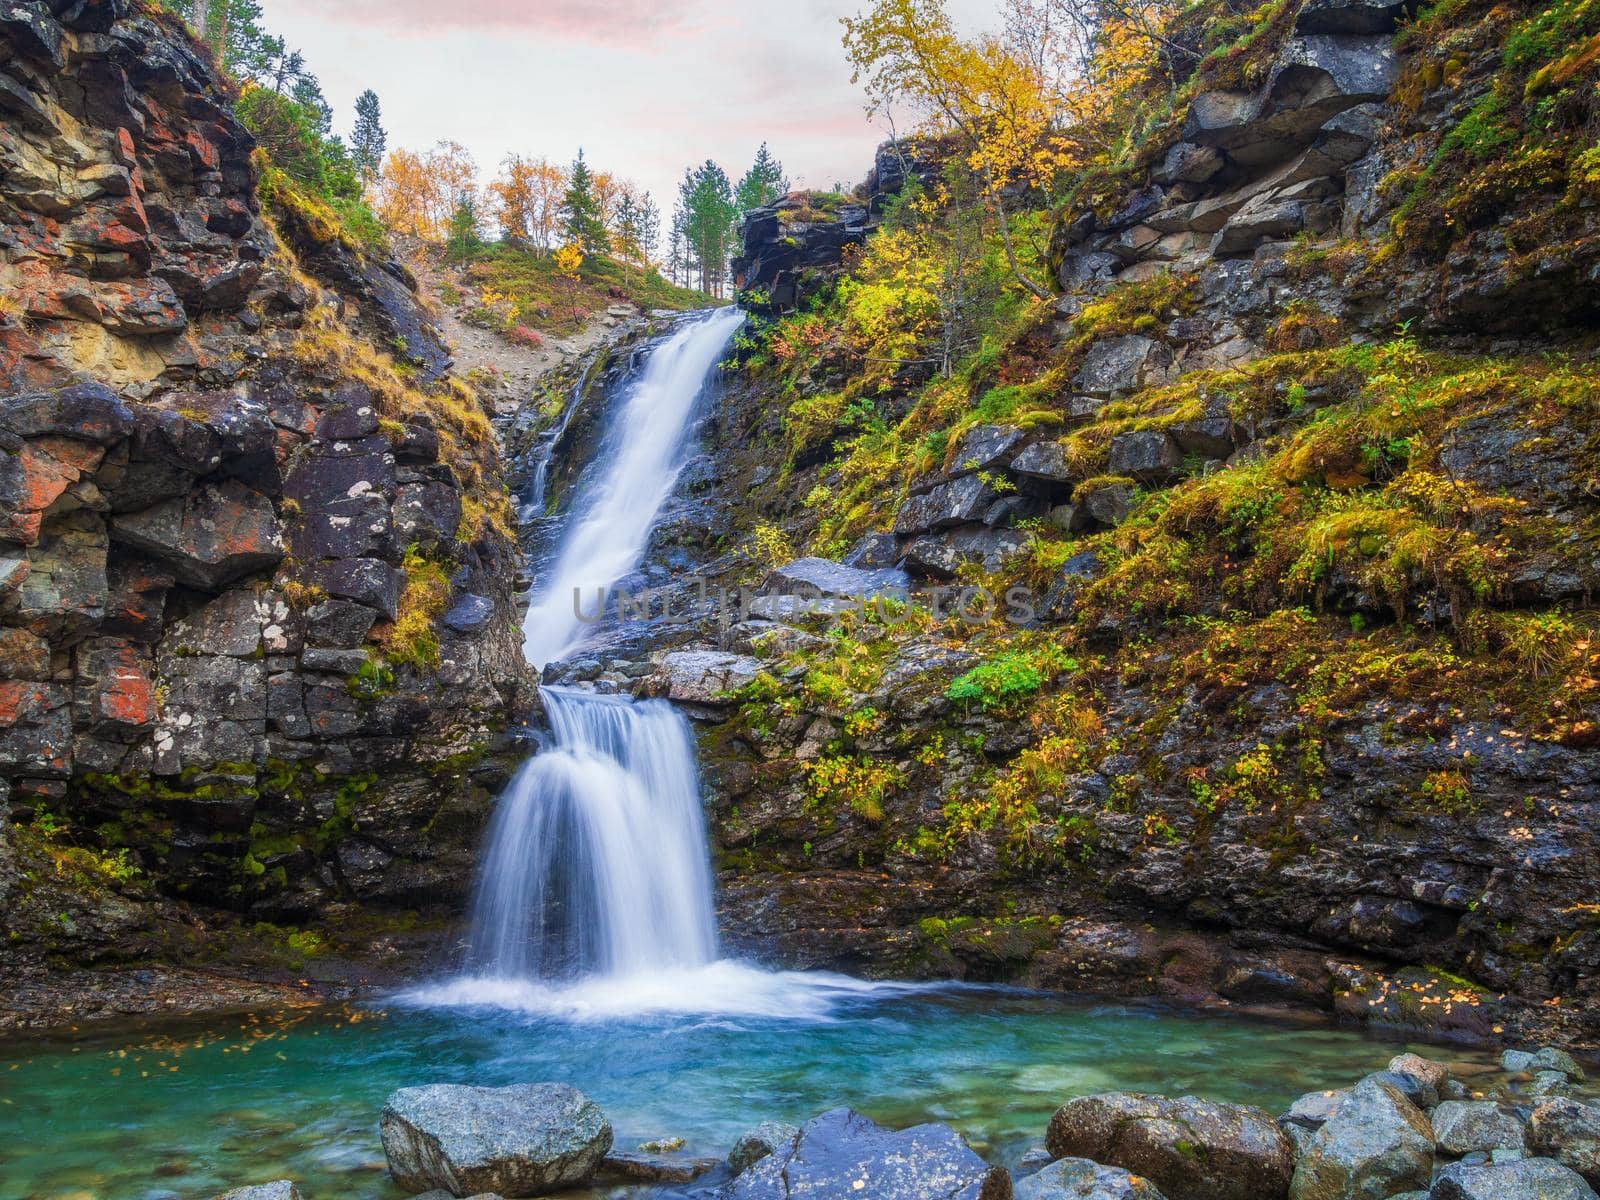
<point>199,11</point>
<point>1011,253</point>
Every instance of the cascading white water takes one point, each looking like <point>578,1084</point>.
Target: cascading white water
<point>594,897</point>
<point>596,857</point>
<point>606,536</point>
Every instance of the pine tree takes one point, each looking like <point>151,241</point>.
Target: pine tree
<point>580,211</point>
<point>763,183</point>
<point>707,200</point>
<point>463,238</point>
<point>368,139</point>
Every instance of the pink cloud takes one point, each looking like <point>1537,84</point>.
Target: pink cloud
<point>614,22</point>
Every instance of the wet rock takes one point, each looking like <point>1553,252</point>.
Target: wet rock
<point>1569,1132</point>
<point>1547,1058</point>
<point>633,1167</point>
<point>209,538</point>
<point>281,1189</point>
<point>704,676</point>
<point>524,1140</point>
<point>1464,1126</point>
<point>1192,1149</point>
<point>759,1142</point>
<point>1080,1179</point>
<point>1119,366</point>
<point>841,1153</point>
<point>1376,1143</point>
<point>1529,1179</point>
<point>1415,1089</point>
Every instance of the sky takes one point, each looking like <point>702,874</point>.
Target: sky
<point>645,87</point>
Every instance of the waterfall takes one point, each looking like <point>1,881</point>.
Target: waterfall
<point>641,456</point>
<point>595,861</point>
<point>596,857</point>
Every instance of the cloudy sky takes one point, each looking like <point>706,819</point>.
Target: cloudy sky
<point>644,86</point>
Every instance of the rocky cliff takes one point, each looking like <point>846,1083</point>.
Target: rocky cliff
<point>1295,703</point>
<point>255,556</point>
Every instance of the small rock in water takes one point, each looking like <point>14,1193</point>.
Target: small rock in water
<point>279,1189</point>
<point>760,1142</point>
<point>1435,1074</point>
<point>1080,1179</point>
<point>661,1146</point>
<point>666,1167</point>
<point>524,1140</point>
<point>841,1153</point>
<point>1032,1161</point>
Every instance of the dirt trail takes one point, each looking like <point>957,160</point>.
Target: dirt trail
<point>514,368</point>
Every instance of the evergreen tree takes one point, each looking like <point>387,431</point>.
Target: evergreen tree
<point>307,93</point>
<point>368,139</point>
<point>707,200</point>
<point>580,211</point>
<point>763,183</point>
<point>463,238</point>
<point>649,228</point>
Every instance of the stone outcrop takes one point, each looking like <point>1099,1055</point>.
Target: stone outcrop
<point>209,524</point>
<point>793,246</point>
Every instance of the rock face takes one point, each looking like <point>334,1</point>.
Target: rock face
<point>525,1140</point>
<point>841,1153</point>
<point>1376,1144</point>
<point>793,245</point>
<point>204,519</point>
<point>1191,1149</point>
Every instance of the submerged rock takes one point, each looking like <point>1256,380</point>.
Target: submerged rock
<point>279,1189</point>
<point>654,1167</point>
<point>841,1153</point>
<point>523,1140</point>
<point>1080,1179</point>
<point>1192,1149</point>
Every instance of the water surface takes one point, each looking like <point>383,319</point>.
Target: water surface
<point>185,1110</point>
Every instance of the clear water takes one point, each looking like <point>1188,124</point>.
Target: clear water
<point>595,860</point>
<point>182,1111</point>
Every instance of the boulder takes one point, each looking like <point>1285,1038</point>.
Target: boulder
<point>1527,1179</point>
<point>1191,1149</point>
<point>1434,1074</point>
<point>879,549</point>
<point>822,576</point>
<point>953,502</point>
<point>1080,1179</point>
<point>841,1153</point>
<point>1376,1143</point>
<point>1188,163</point>
<point>1569,1132</point>
<point>1110,503</point>
<point>281,1189</point>
<point>1043,460</point>
<point>1120,365</point>
<point>469,614</point>
<point>1148,455</point>
<point>705,676</point>
<point>940,554</point>
<point>1464,1126</point>
<point>524,1140</point>
<point>209,538</point>
<point>759,1142</point>
<point>985,446</point>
